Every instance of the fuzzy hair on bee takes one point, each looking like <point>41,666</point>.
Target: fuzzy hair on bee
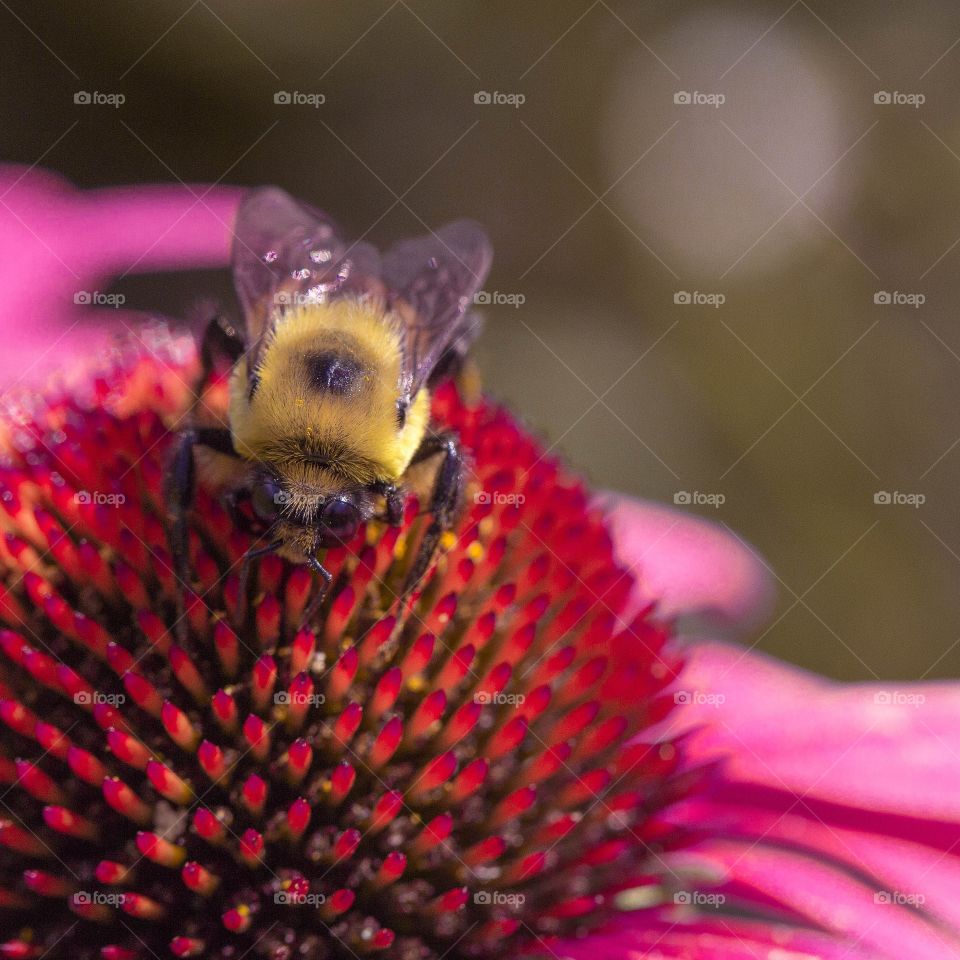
<point>330,381</point>
<point>324,408</point>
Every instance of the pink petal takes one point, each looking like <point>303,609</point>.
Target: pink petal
<point>825,799</point>
<point>666,934</point>
<point>894,865</point>
<point>50,224</point>
<point>689,566</point>
<point>828,797</point>
<point>783,728</point>
<point>833,900</point>
<point>176,227</point>
<point>57,243</point>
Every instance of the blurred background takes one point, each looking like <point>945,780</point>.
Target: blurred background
<point>727,239</point>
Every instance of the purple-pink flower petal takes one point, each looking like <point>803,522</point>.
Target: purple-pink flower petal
<point>833,806</point>
<point>882,747</point>
<point>59,246</point>
<point>689,566</point>
<point>671,935</point>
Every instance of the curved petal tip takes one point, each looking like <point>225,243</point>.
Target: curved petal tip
<point>695,570</point>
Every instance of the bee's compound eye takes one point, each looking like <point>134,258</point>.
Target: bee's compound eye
<point>267,499</point>
<point>341,519</point>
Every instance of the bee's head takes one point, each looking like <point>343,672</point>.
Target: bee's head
<point>307,515</point>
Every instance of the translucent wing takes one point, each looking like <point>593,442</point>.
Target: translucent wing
<point>285,253</point>
<point>431,282</point>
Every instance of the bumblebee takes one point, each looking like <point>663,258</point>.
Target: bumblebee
<point>329,390</point>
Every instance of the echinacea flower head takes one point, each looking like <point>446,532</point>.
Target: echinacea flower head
<point>463,776</point>
<point>515,764</point>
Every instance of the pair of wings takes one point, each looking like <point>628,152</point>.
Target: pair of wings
<point>285,252</point>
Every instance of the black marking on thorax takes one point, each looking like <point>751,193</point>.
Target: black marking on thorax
<point>335,372</point>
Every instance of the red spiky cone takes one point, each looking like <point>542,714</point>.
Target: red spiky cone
<point>466,777</point>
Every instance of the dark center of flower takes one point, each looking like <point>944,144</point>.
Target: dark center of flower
<point>467,777</point>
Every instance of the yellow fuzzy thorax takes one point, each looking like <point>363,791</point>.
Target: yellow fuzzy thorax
<point>288,421</point>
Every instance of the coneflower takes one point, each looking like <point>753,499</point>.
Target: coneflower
<point>376,785</point>
<point>458,777</point>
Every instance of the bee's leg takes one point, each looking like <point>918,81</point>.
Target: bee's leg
<point>252,554</point>
<point>443,503</point>
<point>180,486</point>
<point>314,605</point>
<point>220,343</point>
<point>221,340</point>
<point>394,497</point>
<point>231,503</point>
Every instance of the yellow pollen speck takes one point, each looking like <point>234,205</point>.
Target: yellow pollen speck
<point>416,684</point>
<point>400,548</point>
<point>475,551</point>
<point>448,540</point>
<point>327,786</point>
<point>243,910</point>
<point>300,401</point>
